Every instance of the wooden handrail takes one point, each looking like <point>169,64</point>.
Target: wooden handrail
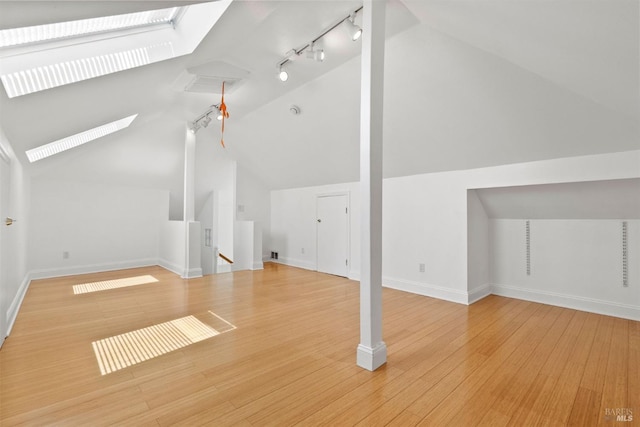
<point>225,258</point>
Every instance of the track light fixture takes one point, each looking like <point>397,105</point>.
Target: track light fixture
<point>283,75</point>
<point>194,127</point>
<point>205,118</point>
<point>317,53</point>
<point>354,31</point>
<point>218,112</point>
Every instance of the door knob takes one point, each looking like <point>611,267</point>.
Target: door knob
<point>319,220</point>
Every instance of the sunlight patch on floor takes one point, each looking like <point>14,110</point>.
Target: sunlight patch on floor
<point>121,351</point>
<point>113,284</point>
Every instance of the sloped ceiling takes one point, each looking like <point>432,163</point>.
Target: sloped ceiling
<point>467,84</point>
<point>613,199</point>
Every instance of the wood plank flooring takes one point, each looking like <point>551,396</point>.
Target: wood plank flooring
<point>291,358</point>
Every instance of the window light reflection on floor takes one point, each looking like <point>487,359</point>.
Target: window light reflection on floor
<point>113,284</point>
<point>121,351</point>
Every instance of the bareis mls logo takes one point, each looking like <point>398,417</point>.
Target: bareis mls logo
<point>618,414</point>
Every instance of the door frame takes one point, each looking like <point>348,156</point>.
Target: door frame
<point>346,193</point>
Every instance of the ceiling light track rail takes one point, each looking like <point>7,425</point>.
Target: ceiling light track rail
<point>291,55</point>
<point>203,120</point>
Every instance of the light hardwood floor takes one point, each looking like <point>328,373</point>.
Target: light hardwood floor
<point>291,358</point>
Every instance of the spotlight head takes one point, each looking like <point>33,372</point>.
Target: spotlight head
<point>216,109</point>
<point>316,55</point>
<point>354,31</point>
<point>282,73</point>
<point>193,127</point>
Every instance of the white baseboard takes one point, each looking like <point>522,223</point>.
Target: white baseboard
<point>258,266</point>
<point>192,273</point>
<point>371,358</point>
<point>478,293</point>
<point>295,263</point>
<point>12,313</point>
<point>48,273</point>
<point>591,305</point>
<point>226,268</point>
<point>427,290</point>
<point>174,268</point>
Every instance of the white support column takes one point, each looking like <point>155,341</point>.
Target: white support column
<point>189,175</point>
<point>372,351</point>
<point>190,270</point>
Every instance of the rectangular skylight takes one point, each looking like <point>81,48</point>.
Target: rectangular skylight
<point>54,75</point>
<point>67,143</point>
<point>84,27</point>
<point>38,58</point>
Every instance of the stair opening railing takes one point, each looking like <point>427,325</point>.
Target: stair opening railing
<point>221,255</point>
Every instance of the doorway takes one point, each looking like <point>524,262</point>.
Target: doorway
<point>333,234</point>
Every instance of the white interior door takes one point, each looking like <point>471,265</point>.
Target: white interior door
<point>333,234</point>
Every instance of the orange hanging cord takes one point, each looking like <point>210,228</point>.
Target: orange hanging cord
<point>225,114</point>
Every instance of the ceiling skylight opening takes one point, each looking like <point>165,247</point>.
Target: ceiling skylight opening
<point>78,139</point>
<point>38,58</point>
<point>49,76</point>
<point>84,27</point>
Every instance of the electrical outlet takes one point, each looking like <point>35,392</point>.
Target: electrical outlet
<point>65,255</point>
<point>421,267</point>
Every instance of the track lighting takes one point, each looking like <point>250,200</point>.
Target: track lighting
<point>216,110</point>
<point>317,54</point>
<point>194,127</point>
<point>354,31</point>
<point>205,118</point>
<point>282,73</point>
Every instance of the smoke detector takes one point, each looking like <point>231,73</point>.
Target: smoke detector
<point>294,109</point>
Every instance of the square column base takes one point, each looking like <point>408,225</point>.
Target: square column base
<point>372,358</point>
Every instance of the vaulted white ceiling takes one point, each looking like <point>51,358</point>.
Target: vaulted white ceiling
<point>467,84</point>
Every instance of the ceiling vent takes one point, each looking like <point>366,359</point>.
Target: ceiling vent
<point>208,78</point>
<point>211,84</point>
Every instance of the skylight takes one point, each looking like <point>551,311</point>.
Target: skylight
<point>67,143</point>
<point>83,27</point>
<point>34,59</point>
<point>49,76</point>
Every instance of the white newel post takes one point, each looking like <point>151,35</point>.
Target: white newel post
<point>372,351</point>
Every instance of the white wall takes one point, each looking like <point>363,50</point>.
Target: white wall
<point>193,267</point>
<point>101,227</point>
<point>207,254</point>
<point>425,220</point>
<point>248,249</point>
<point>478,248</point>
<point>14,203</point>
<point>294,226</point>
<point>574,263</point>
<point>253,203</point>
<point>172,251</point>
